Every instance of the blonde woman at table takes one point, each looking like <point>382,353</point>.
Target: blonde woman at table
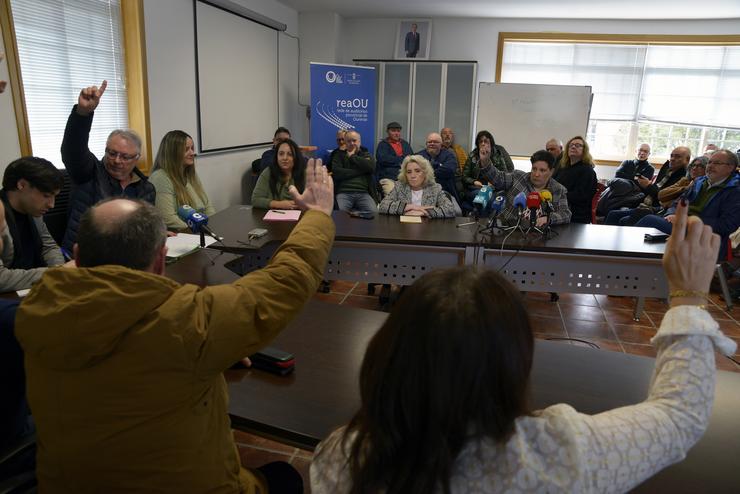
<point>444,393</point>
<point>175,180</point>
<point>416,193</point>
<point>287,168</point>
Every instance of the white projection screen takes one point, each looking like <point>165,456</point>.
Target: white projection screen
<point>237,79</point>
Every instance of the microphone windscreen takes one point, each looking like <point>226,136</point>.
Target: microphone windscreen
<point>533,200</point>
<point>546,196</point>
<point>520,201</point>
<point>498,203</point>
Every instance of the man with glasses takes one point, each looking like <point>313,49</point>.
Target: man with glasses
<point>715,198</point>
<point>639,169</point>
<point>116,175</point>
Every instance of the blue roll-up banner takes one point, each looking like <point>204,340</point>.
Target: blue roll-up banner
<point>342,97</point>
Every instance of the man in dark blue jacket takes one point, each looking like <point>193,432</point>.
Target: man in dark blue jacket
<point>444,164</point>
<point>638,167</point>
<point>94,180</point>
<point>715,198</point>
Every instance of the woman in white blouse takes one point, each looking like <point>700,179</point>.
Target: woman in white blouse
<point>444,384</point>
<point>416,193</point>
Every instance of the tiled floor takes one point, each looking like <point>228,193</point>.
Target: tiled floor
<point>594,319</point>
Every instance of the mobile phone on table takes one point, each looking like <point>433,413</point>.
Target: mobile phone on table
<point>273,360</point>
<point>656,237</point>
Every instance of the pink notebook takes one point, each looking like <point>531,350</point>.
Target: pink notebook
<point>282,215</point>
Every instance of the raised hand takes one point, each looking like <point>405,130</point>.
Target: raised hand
<point>90,98</point>
<point>690,257</point>
<point>319,191</point>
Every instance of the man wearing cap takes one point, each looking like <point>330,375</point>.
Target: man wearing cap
<point>390,153</point>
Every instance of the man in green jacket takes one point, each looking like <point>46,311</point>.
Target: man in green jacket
<point>353,170</point>
<point>124,366</point>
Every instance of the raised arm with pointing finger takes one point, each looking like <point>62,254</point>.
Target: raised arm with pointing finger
<point>115,175</point>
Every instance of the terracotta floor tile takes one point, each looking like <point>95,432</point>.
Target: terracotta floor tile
<point>725,364</point>
<point>547,325</point>
<point>539,308</point>
<point>304,453</point>
<point>656,305</point>
<point>578,299</point>
<point>582,313</point>
<point>608,302</point>
<point>303,465</point>
<point>656,317</point>
<point>644,350</point>
<point>253,440</point>
<point>339,286</point>
<point>589,329</point>
<point>624,316</point>
<point>539,296</point>
<point>253,458</point>
<point>332,298</point>
<point>627,333</point>
<point>730,328</point>
<point>362,301</point>
<point>719,312</point>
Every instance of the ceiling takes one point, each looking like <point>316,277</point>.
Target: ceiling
<point>544,9</point>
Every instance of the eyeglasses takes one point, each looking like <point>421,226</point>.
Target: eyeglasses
<point>434,142</point>
<point>575,145</point>
<point>115,154</point>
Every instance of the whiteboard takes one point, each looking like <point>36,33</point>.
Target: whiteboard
<point>522,117</point>
<point>237,66</point>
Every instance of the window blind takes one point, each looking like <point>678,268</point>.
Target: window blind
<point>64,46</point>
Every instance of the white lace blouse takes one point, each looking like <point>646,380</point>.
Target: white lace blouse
<point>560,450</point>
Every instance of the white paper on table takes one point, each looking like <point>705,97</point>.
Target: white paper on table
<point>185,243</point>
<point>23,293</point>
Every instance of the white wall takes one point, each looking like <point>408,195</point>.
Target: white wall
<point>170,46</point>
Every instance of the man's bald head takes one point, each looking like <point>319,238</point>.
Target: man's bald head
<point>122,232</point>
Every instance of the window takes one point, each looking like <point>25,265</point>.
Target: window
<point>667,92</point>
<point>61,47</point>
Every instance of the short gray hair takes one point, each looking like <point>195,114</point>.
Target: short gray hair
<point>133,242</point>
<point>423,163</point>
<point>128,135</point>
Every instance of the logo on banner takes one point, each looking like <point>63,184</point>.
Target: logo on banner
<point>342,97</point>
<point>354,79</point>
<point>333,78</point>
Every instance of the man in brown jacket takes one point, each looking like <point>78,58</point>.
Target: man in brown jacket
<point>124,366</point>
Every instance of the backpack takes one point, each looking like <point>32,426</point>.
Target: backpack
<point>621,193</point>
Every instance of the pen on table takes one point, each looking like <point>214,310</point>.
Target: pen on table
<point>276,211</point>
<point>67,255</point>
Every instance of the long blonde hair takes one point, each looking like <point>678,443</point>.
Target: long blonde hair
<point>586,159</point>
<point>170,158</point>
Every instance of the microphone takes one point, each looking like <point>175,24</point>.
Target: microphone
<point>533,204</point>
<point>482,198</point>
<point>546,198</point>
<point>197,222</point>
<point>520,202</point>
<point>498,205</point>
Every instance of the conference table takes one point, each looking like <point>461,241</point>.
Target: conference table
<point>329,341</point>
<point>576,258</point>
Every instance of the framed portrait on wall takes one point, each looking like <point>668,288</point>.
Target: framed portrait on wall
<point>413,40</point>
